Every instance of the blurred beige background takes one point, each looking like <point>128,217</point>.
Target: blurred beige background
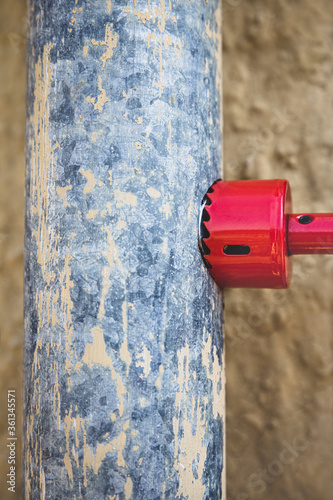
<point>12,124</point>
<point>278,113</point>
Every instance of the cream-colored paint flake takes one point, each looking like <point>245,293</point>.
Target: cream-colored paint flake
<point>127,198</point>
<point>99,101</point>
<point>110,177</point>
<point>214,373</point>
<point>153,193</point>
<point>68,467</point>
<point>128,488</point>
<point>105,288</point>
<point>124,313</point>
<point>62,192</point>
<point>90,178</point>
<point>110,42</point>
<point>91,214</point>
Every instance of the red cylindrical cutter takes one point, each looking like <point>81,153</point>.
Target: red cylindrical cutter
<point>248,233</point>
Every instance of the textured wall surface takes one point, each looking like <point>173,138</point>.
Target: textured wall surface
<point>278,123</point>
<point>12,125</point>
<point>278,118</point>
<point>124,395</point>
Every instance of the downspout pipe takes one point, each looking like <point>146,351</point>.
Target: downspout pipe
<point>123,370</point>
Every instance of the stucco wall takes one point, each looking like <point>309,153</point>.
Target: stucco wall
<point>12,126</point>
<point>278,119</point>
<point>278,112</point>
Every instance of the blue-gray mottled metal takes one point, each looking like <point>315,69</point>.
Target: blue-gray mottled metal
<point>124,253</point>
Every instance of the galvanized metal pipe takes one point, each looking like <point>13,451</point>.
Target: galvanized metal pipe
<point>124,387</point>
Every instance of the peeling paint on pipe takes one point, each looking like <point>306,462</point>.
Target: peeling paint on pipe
<point>124,384</point>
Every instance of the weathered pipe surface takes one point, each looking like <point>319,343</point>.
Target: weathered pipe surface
<point>124,392</point>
